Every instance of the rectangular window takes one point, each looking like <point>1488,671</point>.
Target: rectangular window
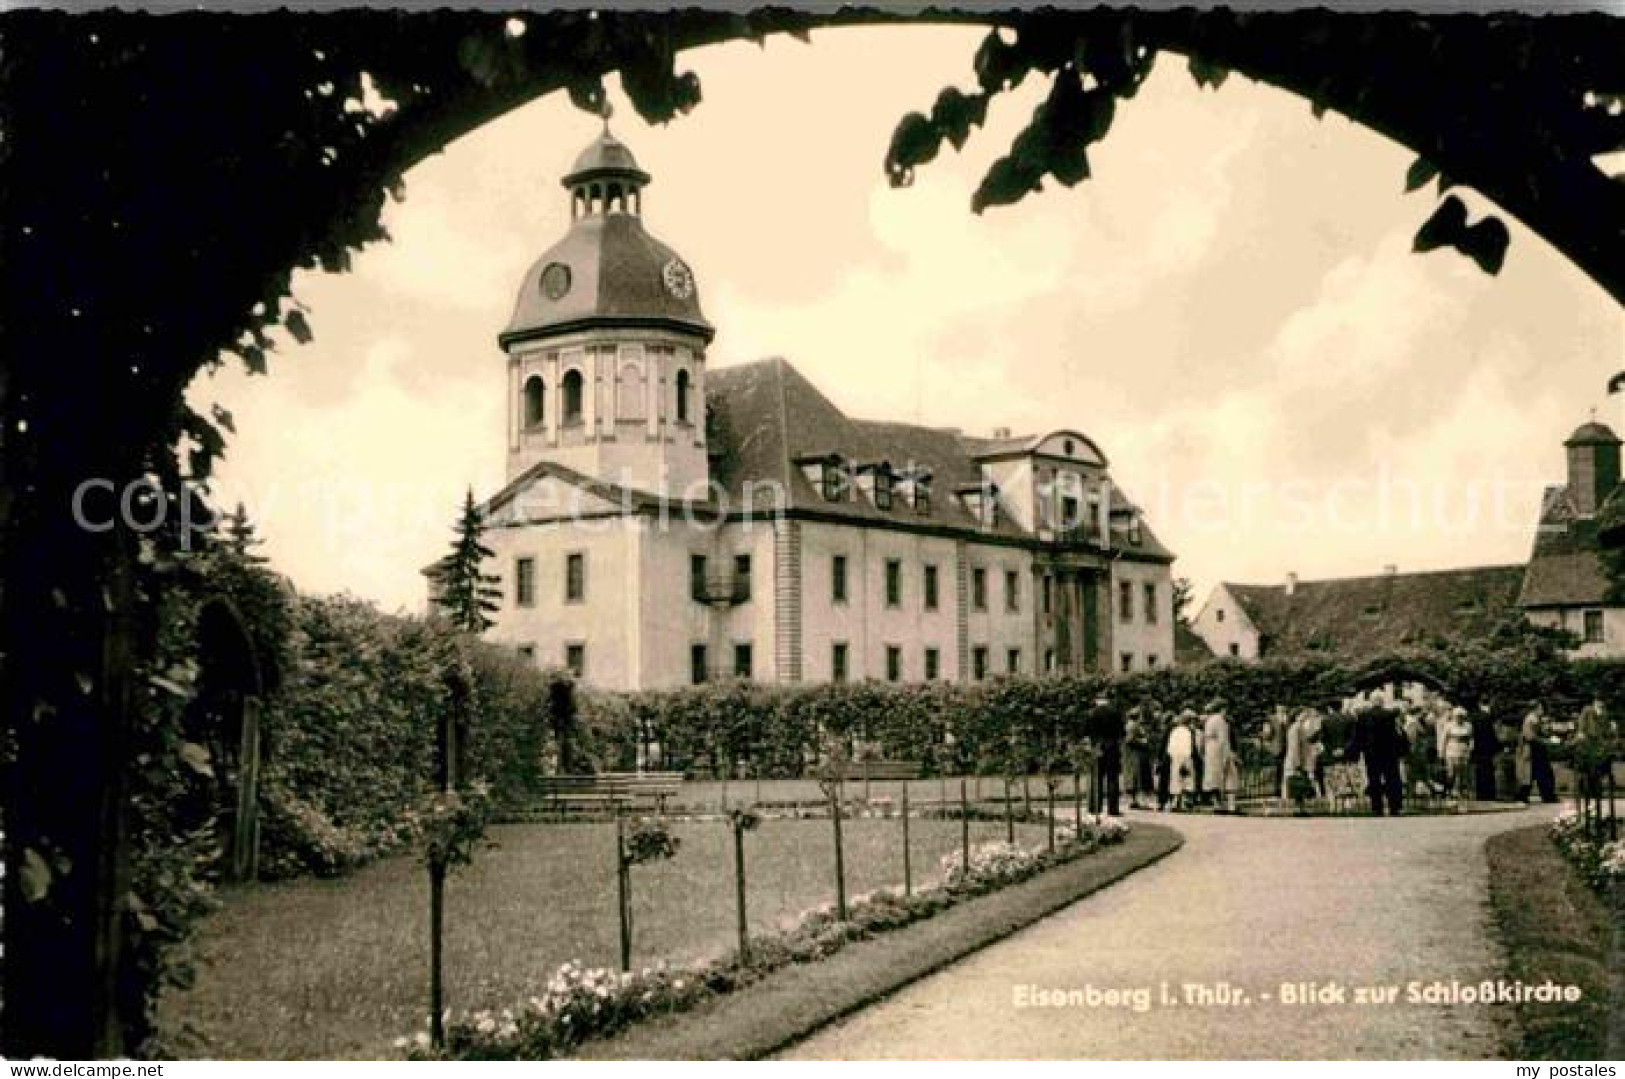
<point>894,663</point>
<point>978,589</point>
<point>575,658</point>
<point>894,582</point>
<point>1070,521</point>
<point>837,579</point>
<point>837,662</point>
<point>1126,661</point>
<point>1151,661</point>
<point>742,575</point>
<point>1125,601</point>
<point>524,582</point>
<point>1012,591</point>
<point>699,670</point>
<point>1049,660</point>
<point>1235,649</point>
<point>1012,661</point>
<point>742,660</point>
<point>527,652</point>
<point>696,577</point>
<point>834,483</point>
<point>575,577</point>
<point>933,660</point>
<point>1047,596</point>
<point>1593,627</point>
<point>1150,604</point>
<point>978,662</point>
<point>930,588</point>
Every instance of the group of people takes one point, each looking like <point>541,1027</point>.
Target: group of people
<point>1430,749</point>
<point>1191,759</point>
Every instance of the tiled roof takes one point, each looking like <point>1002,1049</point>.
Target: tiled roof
<point>766,416</point>
<point>1362,615</point>
<point>1564,567</point>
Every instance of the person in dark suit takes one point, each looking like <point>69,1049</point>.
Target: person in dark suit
<point>1378,740</point>
<point>1485,747</point>
<point>1106,727</point>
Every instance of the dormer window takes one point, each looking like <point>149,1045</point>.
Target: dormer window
<point>982,502</point>
<point>1134,534</point>
<point>921,488</point>
<point>834,481</point>
<point>883,489</point>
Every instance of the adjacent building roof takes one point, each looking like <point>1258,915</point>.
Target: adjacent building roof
<point>766,417</point>
<point>1357,616</point>
<point>1565,569</point>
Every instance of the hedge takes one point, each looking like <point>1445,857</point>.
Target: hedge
<point>1026,724</point>
<point>349,738</point>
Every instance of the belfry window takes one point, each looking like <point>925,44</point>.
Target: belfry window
<point>573,391</point>
<point>535,401</point>
<point>682,397</point>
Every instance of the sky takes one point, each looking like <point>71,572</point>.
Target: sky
<point>1229,307</point>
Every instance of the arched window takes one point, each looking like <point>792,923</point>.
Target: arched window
<point>572,397</point>
<point>682,397</point>
<point>629,394</point>
<point>535,401</point>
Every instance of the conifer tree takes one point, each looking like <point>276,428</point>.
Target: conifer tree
<point>467,594</point>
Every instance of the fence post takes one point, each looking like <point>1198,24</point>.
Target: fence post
<point>964,825</point>
<point>908,865</point>
<point>623,887</point>
<point>1009,811</point>
<point>739,888</point>
<point>840,861</point>
<point>1049,785</point>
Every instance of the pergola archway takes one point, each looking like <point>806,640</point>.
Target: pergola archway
<point>164,177</point>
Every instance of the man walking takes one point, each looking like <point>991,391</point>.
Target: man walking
<point>1377,738</point>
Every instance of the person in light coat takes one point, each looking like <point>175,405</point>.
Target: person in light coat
<point>1219,774</point>
<point>1181,762</point>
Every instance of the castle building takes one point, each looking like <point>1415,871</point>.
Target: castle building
<point>664,524</point>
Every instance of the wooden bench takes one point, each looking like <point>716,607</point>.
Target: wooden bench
<point>608,791</point>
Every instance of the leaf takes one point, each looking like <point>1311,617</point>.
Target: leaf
<point>296,324</point>
<point>35,876</point>
<point>196,757</point>
<point>955,113</point>
<point>1486,244</point>
<point>1421,171</point>
<point>998,66</point>
<point>1207,73</point>
<point>223,418</point>
<point>1444,228</point>
<point>914,142</point>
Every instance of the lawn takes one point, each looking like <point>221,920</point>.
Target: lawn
<point>1552,926</point>
<point>317,969</point>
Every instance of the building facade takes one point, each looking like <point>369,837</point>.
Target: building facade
<point>664,524</point>
<point>1563,585</point>
<point>1566,585</point>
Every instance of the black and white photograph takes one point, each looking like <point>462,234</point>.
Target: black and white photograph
<point>599,532</point>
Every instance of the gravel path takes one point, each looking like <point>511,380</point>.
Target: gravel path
<point>1249,903</point>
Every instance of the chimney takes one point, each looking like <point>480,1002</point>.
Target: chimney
<point>1001,432</point>
<point>1390,570</point>
<point>1291,583</point>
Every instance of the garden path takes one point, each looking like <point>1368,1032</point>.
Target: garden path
<point>1248,902</point>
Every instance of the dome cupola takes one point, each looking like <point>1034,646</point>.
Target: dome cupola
<point>607,271</point>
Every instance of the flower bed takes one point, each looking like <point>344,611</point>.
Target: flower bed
<point>580,1004</point>
<point>1601,862</point>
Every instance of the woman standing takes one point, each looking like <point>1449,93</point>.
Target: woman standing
<point>1218,775</point>
<point>1458,751</point>
<point>1181,768</point>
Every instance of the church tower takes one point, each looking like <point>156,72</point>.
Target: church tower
<point>606,348</point>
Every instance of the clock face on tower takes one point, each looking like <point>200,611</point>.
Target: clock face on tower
<point>555,280</point>
<point>679,281</point>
